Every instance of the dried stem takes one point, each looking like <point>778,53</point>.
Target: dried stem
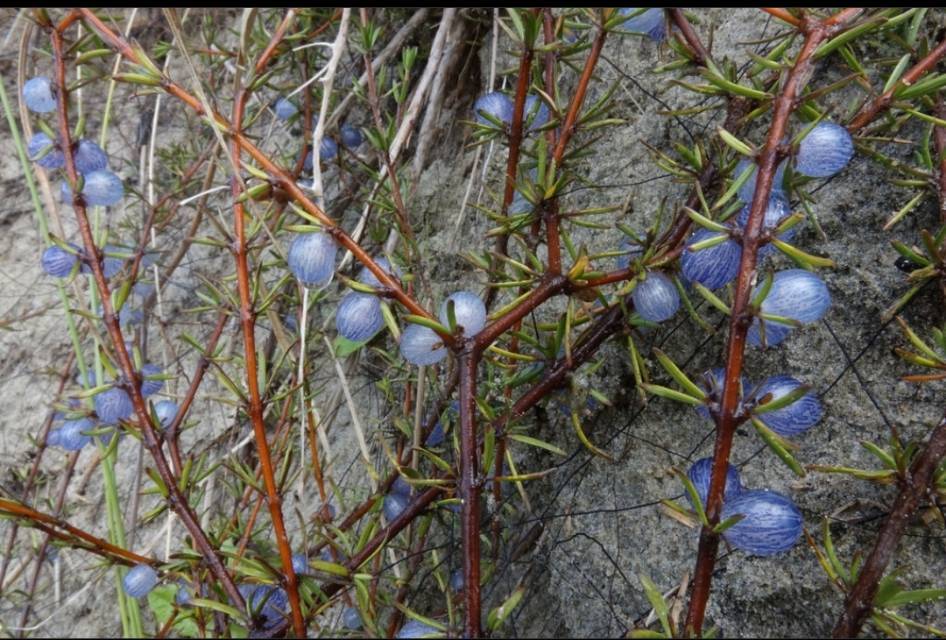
<point>815,33</point>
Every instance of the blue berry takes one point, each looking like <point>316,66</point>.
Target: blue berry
<point>58,262</point>
<point>352,619</point>
<point>102,188</point>
<point>421,345</point>
<point>150,387</point>
<point>113,405</point>
<point>797,294</point>
<point>402,487</point>
<point>797,417</point>
<point>351,136</point>
<point>469,312</point>
<point>651,22</point>
<point>328,149</point>
<point>54,158</point>
<point>747,190</point>
<point>699,474</point>
<point>712,383</point>
<point>113,260</point>
<point>713,267</point>
<point>358,316</point>
<point>266,601</point>
<point>519,204</point>
<point>166,411</point>
<point>436,436</point>
<point>285,109</point>
<point>54,437</point>
<point>394,504</point>
<point>128,316</point>
<point>656,298</point>
<point>456,580</point>
<point>312,258</point>
<point>776,212</point>
<point>774,333</point>
<point>495,104</point>
<point>139,581</point>
<point>183,596</point>
<point>629,251</point>
<point>416,629</point>
<point>89,157</point>
<point>72,435</point>
<point>772,523</point>
<point>824,151</point>
<point>366,276</point>
<point>535,113</point>
<point>300,565</point>
<point>39,95</point>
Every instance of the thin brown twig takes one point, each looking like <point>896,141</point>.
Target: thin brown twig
<point>132,379</point>
<point>860,599</point>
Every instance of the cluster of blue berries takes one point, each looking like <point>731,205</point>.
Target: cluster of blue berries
<point>825,151</point>
<point>350,136</point>
<point>771,522</point>
<point>100,187</point>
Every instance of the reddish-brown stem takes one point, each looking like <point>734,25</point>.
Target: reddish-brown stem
<point>815,34</point>
<point>55,527</point>
<point>469,489</point>
<point>869,111</point>
<point>782,15</point>
<point>255,409</point>
<point>860,600</point>
<point>132,386</point>
<point>700,55</point>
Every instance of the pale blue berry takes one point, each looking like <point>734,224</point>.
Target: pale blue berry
<point>113,405</point>
<point>58,262</point>
<point>72,434</point>
<point>535,113</point>
<point>496,104</point>
<point>774,333</point>
<point>102,188</point>
<point>300,565</point>
<point>797,294</point>
<point>776,212</point>
<point>713,267</point>
<point>285,109</point>
<point>358,316</point>
<point>166,411</point>
<point>113,260</point>
<point>421,345</point>
<point>417,629</point>
<point>53,159</point>
<point>352,619</point>
<point>269,602</point>
<point>183,595</point>
<point>824,151</point>
<point>747,190</point>
<point>89,157</point>
<point>772,523</point>
<point>394,504</point>
<point>629,251</point>
<point>402,487</point>
<point>149,387</point>
<point>700,474</point>
<point>139,581</point>
<point>797,417</point>
<point>456,580</point>
<point>54,437</point>
<point>351,136</point>
<point>656,298</point>
<point>328,149</point>
<point>366,276</point>
<point>712,383</point>
<point>312,258</point>
<point>469,313</point>
<point>39,95</point>
<point>651,23</point>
